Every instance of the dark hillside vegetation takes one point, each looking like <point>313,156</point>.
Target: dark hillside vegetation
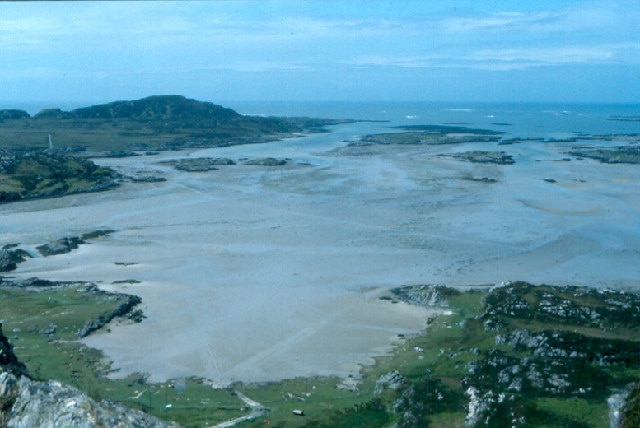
<point>159,122</point>
<point>46,155</point>
<point>9,114</point>
<point>38,174</point>
<point>157,108</point>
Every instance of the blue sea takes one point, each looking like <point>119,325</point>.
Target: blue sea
<point>516,119</point>
<point>548,120</point>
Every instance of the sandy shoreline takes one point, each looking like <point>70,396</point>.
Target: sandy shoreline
<point>257,274</point>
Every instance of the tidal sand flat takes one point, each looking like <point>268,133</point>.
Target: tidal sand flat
<point>257,273</point>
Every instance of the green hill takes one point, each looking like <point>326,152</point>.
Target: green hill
<point>159,122</point>
<point>158,108</point>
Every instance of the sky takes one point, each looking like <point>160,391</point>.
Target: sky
<point>480,50</point>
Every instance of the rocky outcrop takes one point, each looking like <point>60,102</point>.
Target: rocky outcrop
<point>528,344</point>
<point>391,380</point>
<point>432,135</point>
<point>425,295</point>
<point>53,404</point>
<point>35,282</point>
<point>125,309</point>
<point>10,258</point>
<point>10,367</point>
<point>60,246</point>
<point>622,154</point>
<point>70,243</point>
<point>26,403</point>
<point>8,360</point>
<point>483,156</point>
<point>266,162</point>
<point>630,415</point>
<point>200,164</point>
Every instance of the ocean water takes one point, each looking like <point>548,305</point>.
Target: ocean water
<point>548,120</point>
<point>514,119</point>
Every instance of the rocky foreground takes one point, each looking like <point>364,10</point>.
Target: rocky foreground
<point>27,403</point>
<point>533,356</point>
<point>517,355</point>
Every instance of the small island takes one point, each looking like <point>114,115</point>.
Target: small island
<point>484,156</point>
<point>431,135</point>
<point>621,154</point>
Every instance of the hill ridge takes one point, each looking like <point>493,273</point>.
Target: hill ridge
<point>155,107</point>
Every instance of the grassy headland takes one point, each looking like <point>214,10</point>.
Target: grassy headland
<point>154,123</point>
<point>46,154</point>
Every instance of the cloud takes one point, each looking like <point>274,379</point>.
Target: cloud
<point>501,21</point>
<point>32,73</point>
<point>607,20</point>
<point>520,58</point>
<point>156,25</point>
<point>178,41</point>
<point>260,66</point>
<point>511,58</point>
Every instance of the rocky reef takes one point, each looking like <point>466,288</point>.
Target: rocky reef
<point>431,135</point>
<point>70,243</point>
<point>484,156</point>
<point>266,162</point>
<point>11,256</point>
<point>622,154</point>
<point>200,164</point>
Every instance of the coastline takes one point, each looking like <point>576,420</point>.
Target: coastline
<point>279,246</point>
<point>272,267</point>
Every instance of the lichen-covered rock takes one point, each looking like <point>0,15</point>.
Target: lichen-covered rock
<point>53,404</point>
<point>25,403</point>
<point>391,380</point>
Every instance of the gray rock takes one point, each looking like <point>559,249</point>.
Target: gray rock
<point>124,309</point>
<point>8,360</point>
<point>425,295</point>
<point>70,243</point>
<point>200,164</point>
<point>53,404</point>
<point>25,403</point>
<point>10,258</point>
<point>266,162</point>
<point>60,246</point>
<point>391,380</point>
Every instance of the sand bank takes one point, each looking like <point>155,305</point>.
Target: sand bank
<point>256,273</point>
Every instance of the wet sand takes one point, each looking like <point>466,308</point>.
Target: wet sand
<point>255,273</point>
